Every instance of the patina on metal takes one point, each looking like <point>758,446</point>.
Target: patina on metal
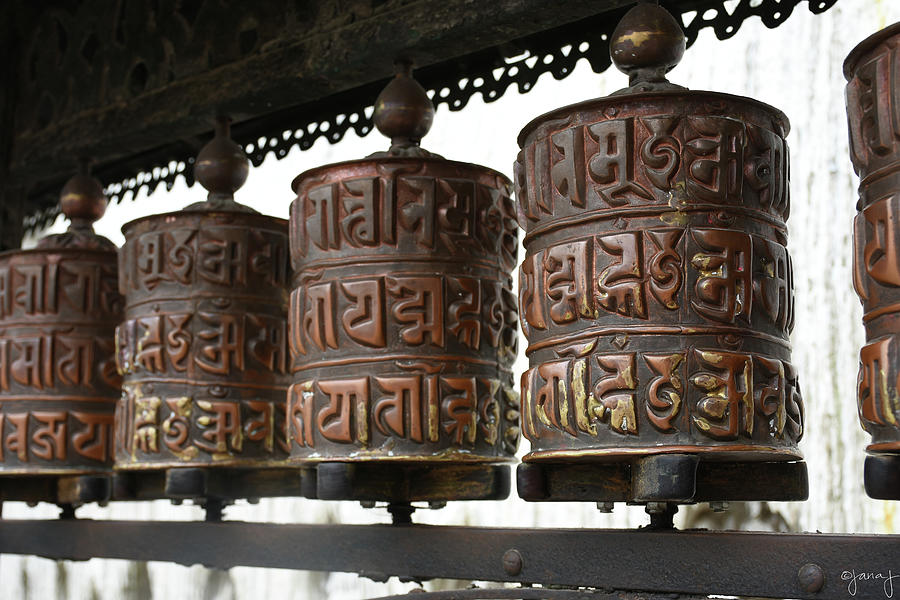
<point>403,320</point>
<point>203,346</point>
<point>873,112</point>
<point>656,291</point>
<point>59,306</point>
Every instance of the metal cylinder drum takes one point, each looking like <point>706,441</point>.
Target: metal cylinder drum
<point>203,346</point>
<point>403,320</point>
<point>656,292</point>
<point>873,110</point>
<point>59,307</point>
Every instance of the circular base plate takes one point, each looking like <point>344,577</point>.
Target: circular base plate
<point>398,482</point>
<point>673,478</point>
<point>882,476</point>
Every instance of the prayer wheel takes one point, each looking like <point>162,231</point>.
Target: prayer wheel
<point>59,306</point>
<point>656,291</point>
<point>873,111</point>
<point>203,346</point>
<point>403,320</point>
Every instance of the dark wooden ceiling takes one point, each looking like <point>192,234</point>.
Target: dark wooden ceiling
<point>134,84</point>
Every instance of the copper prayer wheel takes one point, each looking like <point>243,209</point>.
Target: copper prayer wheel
<point>873,111</point>
<point>59,306</point>
<point>656,291</point>
<point>403,320</point>
<point>203,346</point>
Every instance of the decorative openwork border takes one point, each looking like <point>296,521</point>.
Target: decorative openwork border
<point>489,73</point>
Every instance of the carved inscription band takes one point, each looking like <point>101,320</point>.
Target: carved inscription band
<point>403,320</point>
<point>873,111</point>
<point>656,291</point>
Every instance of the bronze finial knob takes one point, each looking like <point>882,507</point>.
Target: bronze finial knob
<point>82,199</point>
<point>403,111</point>
<point>646,44</point>
<point>83,202</point>
<point>221,167</point>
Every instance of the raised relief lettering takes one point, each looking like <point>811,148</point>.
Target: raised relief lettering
<point>33,367</point>
<point>665,266</point>
<point>222,256</point>
<point>551,400</point>
<point>771,402</point>
<point>613,165</point>
<point>260,427</point>
<point>661,151</point>
<point>17,439</point>
<point>714,159</point>
<point>360,225</point>
<point>878,401</point>
<point>568,173</point>
<point>318,318</point>
<point>50,435</point>
<point>613,395</point>
<point>295,324</point>
<point>620,283</point>
<point>665,391</point>
<point>774,282</point>
<point>364,319</point>
<point>346,397</point>
<point>149,260</point>
<point>94,440</point>
<point>881,254</point>
<point>220,428</point>
<point>149,354</point>
<point>268,346</point>
<point>489,412</point>
<point>181,254</point>
<point>76,359</point>
<point>459,407</point>
<point>146,418</point>
<point>531,284</point>
<point>724,287</point>
<point>726,411</point>
<point>419,213</point>
<point>222,345</point>
<point>464,311</point>
<point>300,413</point>
<point>178,341</point>
<point>766,169</point>
<point>458,215</point>
<point>36,291</point>
<point>323,224</point>
<point>419,302</point>
<point>872,131</point>
<point>82,294</point>
<point>403,397</point>
<point>177,427</point>
<point>566,273</point>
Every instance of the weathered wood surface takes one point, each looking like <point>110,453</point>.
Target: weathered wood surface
<point>795,67</point>
<point>303,52</point>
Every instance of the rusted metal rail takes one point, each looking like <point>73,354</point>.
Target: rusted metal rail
<point>765,565</point>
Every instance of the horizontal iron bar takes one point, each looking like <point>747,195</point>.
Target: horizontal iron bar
<point>684,562</point>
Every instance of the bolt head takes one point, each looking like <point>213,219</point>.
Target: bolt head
<point>811,578</point>
<point>512,562</point>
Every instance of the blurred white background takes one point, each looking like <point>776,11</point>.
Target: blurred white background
<point>797,68</point>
